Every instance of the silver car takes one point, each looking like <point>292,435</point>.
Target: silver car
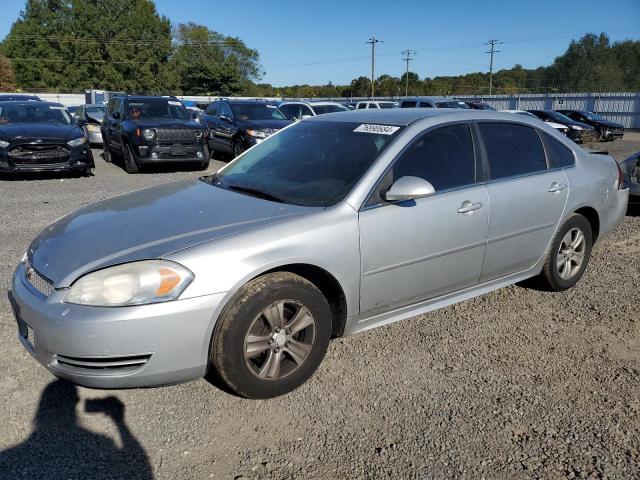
<point>337,224</point>
<point>631,169</point>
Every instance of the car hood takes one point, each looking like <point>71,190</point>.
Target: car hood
<point>261,124</point>
<point>38,131</point>
<point>147,224</point>
<point>165,123</point>
<point>96,117</point>
<point>610,124</point>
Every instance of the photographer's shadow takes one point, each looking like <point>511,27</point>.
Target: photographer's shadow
<point>59,448</point>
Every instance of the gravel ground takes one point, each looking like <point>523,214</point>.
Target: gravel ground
<point>513,384</point>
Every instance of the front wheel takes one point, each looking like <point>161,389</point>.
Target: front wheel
<point>271,337</point>
<point>130,164</point>
<point>568,256</point>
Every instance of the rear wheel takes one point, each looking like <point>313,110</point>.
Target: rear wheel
<point>271,337</point>
<point>130,164</point>
<point>568,256</point>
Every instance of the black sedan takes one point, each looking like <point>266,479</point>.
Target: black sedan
<point>605,129</point>
<point>577,131</point>
<point>42,136</point>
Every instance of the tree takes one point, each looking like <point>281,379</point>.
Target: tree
<point>7,77</point>
<point>360,87</point>
<point>210,63</point>
<point>388,86</point>
<point>78,44</point>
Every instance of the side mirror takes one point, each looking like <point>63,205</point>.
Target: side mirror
<point>116,115</point>
<point>409,188</point>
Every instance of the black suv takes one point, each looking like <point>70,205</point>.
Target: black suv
<point>605,129</point>
<point>235,125</point>
<point>152,130</point>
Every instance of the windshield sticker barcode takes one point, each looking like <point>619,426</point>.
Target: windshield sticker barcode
<point>380,129</point>
<point>52,107</point>
<point>173,102</point>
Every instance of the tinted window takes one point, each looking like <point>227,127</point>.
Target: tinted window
<point>512,149</point>
<point>559,155</point>
<point>321,109</point>
<point>386,105</point>
<point>362,105</point>
<point>443,157</point>
<point>212,109</point>
<point>256,111</point>
<point>35,112</point>
<point>425,105</point>
<point>291,110</point>
<point>304,110</point>
<point>224,110</point>
<point>372,105</point>
<point>145,108</point>
<point>310,163</point>
<point>408,104</point>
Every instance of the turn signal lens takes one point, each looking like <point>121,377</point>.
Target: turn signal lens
<point>169,280</point>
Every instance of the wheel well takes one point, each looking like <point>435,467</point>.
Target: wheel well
<point>594,220</point>
<point>330,288</point>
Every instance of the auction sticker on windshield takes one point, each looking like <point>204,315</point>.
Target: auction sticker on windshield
<point>379,129</point>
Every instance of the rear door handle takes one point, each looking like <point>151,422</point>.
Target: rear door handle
<point>557,187</point>
<point>469,207</point>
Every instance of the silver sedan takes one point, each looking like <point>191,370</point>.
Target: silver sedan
<point>337,224</point>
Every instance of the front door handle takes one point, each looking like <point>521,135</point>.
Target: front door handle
<point>557,187</point>
<point>469,207</point>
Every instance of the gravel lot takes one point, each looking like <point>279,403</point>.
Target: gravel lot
<point>514,384</point>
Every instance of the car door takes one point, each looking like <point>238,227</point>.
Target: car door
<point>527,198</point>
<point>210,121</point>
<point>226,127</point>
<point>112,124</point>
<point>430,246</point>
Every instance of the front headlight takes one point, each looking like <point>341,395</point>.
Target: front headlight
<point>92,127</point>
<point>149,133</point>
<point>258,133</point>
<point>76,142</point>
<point>137,283</point>
<point>3,144</point>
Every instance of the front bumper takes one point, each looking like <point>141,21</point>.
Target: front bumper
<point>79,159</point>
<point>615,212</point>
<point>160,153</point>
<point>115,347</point>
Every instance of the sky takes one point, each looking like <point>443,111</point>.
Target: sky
<point>320,42</point>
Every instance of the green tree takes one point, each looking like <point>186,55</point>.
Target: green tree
<point>77,44</point>
<point>360,87</point>
<point>7,77</point>
<point>208,62</point>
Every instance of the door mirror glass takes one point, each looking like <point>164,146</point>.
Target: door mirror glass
<point>409,188</point>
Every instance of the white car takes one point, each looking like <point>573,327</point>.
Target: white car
<point>375,104</point>
<point>300,110</point>
<point>558,126</point>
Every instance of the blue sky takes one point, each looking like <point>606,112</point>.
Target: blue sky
<point>317,42</point>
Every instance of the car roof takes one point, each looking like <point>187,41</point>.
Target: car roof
<point>146,97</point>
<point>400,116</point>
<point>29,102</point>
<point>432,99</point>
<point>246,101</point>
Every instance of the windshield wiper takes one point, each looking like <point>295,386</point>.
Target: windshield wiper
<point>255,192</point>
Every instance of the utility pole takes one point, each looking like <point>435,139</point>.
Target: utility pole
<point>493,44</point>
<point>406,56</point>
<point>373,40</point>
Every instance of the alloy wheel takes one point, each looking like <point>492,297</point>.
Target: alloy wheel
<point>571,253</point>
<point>279,340</point>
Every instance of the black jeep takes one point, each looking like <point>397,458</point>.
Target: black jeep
<point>152,130</point>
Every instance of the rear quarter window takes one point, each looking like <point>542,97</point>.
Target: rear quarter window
<point>558,155</point>
<point>512,149</point>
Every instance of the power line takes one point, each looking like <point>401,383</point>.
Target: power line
<point>406,56</point>
<point>373,40</point>
<point>493,43</point>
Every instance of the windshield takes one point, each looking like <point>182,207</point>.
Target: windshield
<point>320,109</point>
<point>452,104</point>
<point>156,108</point>
<point>560,118</point>
<point>256,111</point>
<point>386,105</point>
<point>101,110</point>
<point>35,112</point>
<point>595,118</point>
<point>310,163</point>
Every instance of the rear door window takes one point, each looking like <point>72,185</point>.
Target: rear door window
<point>408,104</point>
<point>361,106</point>
<point>512,149</point>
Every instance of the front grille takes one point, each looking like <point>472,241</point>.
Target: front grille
<point>176,135</point>
<point>102,365</point>
<point>39,153</point>
<point>37,281</point>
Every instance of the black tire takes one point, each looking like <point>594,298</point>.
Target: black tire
<point>227,354</point>
<point>238,148</point>
<point>106,154</point>
<point>130,164</point>
<point>202,165</point>
<point>550,278</point>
